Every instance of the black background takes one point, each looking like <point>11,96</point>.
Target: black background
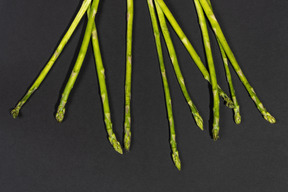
<point>38,154</point>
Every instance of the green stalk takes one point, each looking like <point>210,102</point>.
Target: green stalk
<point>209,55</point>
<point>78,64</point>
<point>218,32</point>
<point>191,50</point>
<point>127,122</point>
<point>173,144</point>
<point>237,116</point>
<point>103,91</point>
<point>49,65</point>
<point>173,57</point>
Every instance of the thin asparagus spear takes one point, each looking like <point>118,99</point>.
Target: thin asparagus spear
<point>49,65</point>
<point>173,144</point>
<point>173,56</point>
<point>218,32</point>
<point>237,116</point>
<point>209,55</point>
<point>61,108</point>
<point>191,50</point>
<point>103,90</point>
<point>127,122</point>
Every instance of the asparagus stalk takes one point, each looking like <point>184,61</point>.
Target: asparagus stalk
<point>207,45</point>
<point>72,79</point>
<point>191,50</point>
<point>218,32</point>
<point>49,65</point>
<point>173,144</point>
<point>127,122</point>
<point>173,56</point>
<point>103,90</point>
<point>237,116</point>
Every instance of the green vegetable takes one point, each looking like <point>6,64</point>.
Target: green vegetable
<point>173,144</point>
<point>218,32</point>
<point>191,50</point>
<point>49,65</point>
<point>78,64</point>
<point>127,122</point>
<point>103,91</point>
<point>173,56</point>
<point>203,8</point>
<point>207,46</point>
<point>237,116</point>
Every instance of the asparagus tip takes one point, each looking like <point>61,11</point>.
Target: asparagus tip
<point>229,103</point>
<point>215,134</point>
<point>60,114</point>
<point>15,113</point>
<point>237,117</point>
<point>116,145</point>
<point>270,118</point>
<point>176,159</point>
<point>199,122</point>
<point>127,140</point>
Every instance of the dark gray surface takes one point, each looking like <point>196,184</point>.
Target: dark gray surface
<point>38,154</point>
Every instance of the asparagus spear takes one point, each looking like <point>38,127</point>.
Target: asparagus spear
<point>173,144</point>
<point>61,108</point>
<point>218,32</point>
<point>49,65</point>
<point>127,122</point>
<point>191,50</point>
<point>103,90</point>
<point>207,45</point>
<point>237,116</point>
<point>173,56</point>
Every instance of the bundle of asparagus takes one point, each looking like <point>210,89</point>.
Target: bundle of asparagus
<point>159,12</point>
<point>90,32</point>
<point>203,7</point>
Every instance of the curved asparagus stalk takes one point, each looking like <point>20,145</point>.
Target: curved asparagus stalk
<point>218,32</point>
<point>207,45</point>
<point>173,144</point>
<point>49,65</point>
<point>173,56</point>
<point>103,91</point>
<point>191,50</point>
<point>237,116</point>
<point>127,122</point>
<point>78,64</point>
